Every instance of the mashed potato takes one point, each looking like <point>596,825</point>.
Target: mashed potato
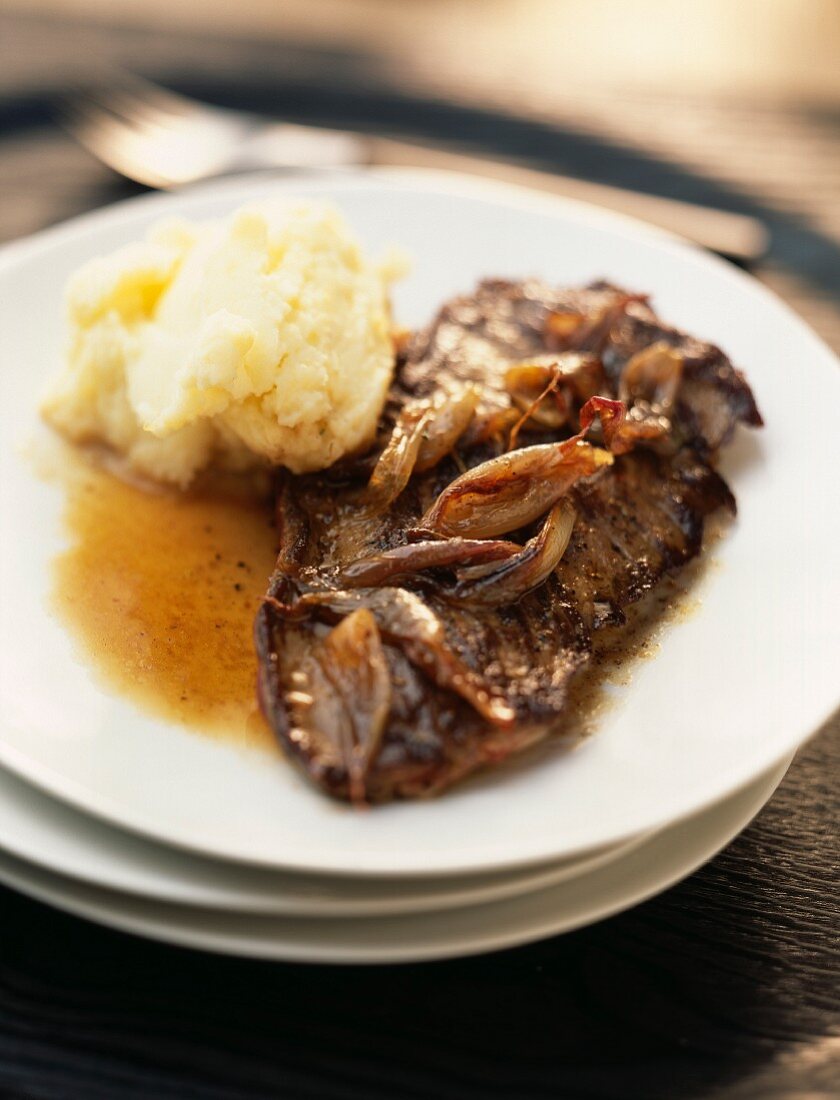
<point>264,338</point>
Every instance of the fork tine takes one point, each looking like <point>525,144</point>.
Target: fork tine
<point>148,96</point>
<point>130,109</point>
<point>112,141</point>
<point>140,98</point>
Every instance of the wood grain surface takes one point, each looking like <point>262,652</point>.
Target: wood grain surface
<point>726,986</point>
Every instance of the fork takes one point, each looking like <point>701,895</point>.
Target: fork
<point>164,140</point>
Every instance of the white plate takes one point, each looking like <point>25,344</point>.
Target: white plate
<point>745,679</point>
<point>37,828</point>
<point>657,863</point>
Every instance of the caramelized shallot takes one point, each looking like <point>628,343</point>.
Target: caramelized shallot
<point>565,378</point>
<point>529,384</point>
<point>403,561</point>
<point>514,489</point>
<point>350,694</point>
<point>652,375</point>
<point>425,432</point>
<point>536,561</point>
<point>405,621</point>
<point>505,493</point>
<point>649,384</point>
<point>396,463</point>
<point>451,417</point>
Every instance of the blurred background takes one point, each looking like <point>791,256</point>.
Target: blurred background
<point>733,105</point>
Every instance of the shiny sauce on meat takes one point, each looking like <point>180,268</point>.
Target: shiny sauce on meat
<point>160,589</point>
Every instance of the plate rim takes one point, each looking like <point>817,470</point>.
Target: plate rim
<point>758,793</point>
<point>450,893</point>
<point>77,795</point>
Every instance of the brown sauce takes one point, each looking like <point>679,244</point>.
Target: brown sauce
<point>160,589</point>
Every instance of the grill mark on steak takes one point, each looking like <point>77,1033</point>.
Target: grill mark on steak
<point>637,520</point>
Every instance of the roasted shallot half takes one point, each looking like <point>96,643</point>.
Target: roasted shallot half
<point>512,490</point>
<point>425,432</point>
<point>511,579</point>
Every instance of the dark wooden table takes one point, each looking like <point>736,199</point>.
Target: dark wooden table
<point>726,986</point>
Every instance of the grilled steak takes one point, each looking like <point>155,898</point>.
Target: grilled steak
<point>544,460</point>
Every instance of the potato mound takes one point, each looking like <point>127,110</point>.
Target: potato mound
<point>261,339</point>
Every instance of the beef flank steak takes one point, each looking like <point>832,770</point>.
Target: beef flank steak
<point>545,458</point>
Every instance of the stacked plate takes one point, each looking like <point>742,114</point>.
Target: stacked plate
<point>112,813</point>
<point>121,880</point>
